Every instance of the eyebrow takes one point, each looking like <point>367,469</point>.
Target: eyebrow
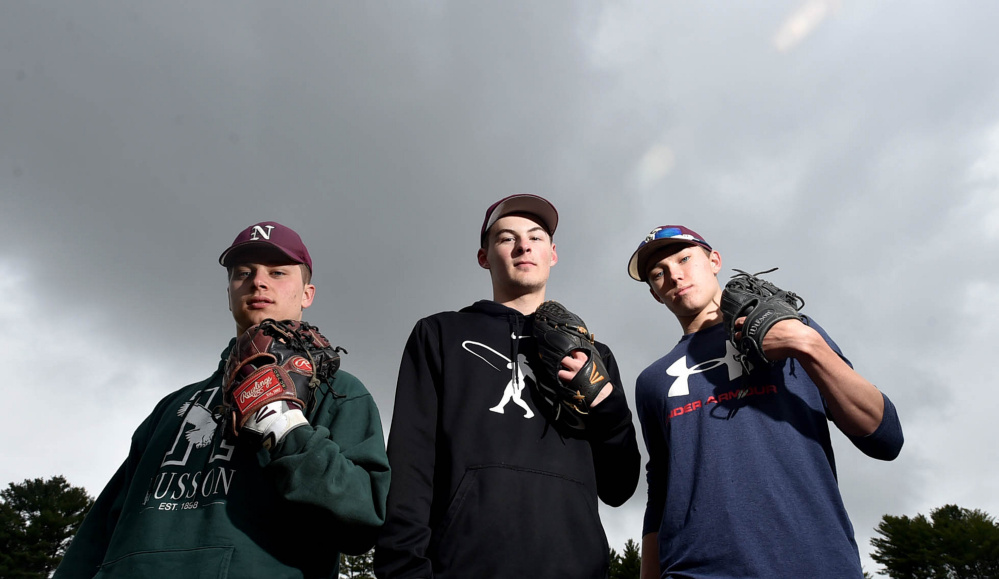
<point>531,230</point>
<point>263,264</point>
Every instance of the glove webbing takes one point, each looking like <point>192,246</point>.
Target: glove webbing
<point>753,283</point>
<point>295,340</point>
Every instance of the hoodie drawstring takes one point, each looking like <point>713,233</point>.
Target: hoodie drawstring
<point>515,327</point>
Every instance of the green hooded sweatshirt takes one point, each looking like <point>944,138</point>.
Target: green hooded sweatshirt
<point>191,500</point>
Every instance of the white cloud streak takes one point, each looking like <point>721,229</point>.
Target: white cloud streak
<point>802,22</point>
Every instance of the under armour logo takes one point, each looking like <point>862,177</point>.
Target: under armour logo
<point>679,369</point>
<point>259,230</point>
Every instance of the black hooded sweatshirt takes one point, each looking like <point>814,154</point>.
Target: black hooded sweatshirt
<point>483,483</point>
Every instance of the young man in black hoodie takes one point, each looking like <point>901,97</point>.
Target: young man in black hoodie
<point>484,483</point>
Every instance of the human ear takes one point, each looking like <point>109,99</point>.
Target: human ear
<point>655,295</point>
<point>716,262</point>
<point>554,255</point>
<point>308,294</point>
<point>483,260</point>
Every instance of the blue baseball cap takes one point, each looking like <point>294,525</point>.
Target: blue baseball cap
<point>659,237</point>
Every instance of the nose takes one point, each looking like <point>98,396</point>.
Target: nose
<point>523,246</point>
<point>259,279</point>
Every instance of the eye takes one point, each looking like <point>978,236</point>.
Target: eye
<point>684,259</point>
<point>242,274</point>
<point>656,275</point>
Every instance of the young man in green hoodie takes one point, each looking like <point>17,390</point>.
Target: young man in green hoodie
<point>192,499</point>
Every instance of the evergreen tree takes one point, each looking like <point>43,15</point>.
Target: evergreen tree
<point>357,566</point>
<point>627,565</point>
<point>38,519</point>
<point>954,543</point>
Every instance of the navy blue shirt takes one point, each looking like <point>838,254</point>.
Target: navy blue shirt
<point>741,476</point>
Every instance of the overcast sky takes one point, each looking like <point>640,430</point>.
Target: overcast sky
<point>855,145</point>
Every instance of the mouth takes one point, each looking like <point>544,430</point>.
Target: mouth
<point>682,291</point>
<point>258,303</point>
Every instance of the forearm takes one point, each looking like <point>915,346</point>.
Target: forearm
<point>616,458</point>
<point>650,556</point>
<point>855,404</point>
<point>340,470</point>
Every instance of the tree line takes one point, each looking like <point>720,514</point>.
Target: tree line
<point>38,519</point>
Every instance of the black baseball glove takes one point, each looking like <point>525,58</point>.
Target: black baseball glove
<point>559,332</point>
<point>271,377</point>
<point>763,304</point>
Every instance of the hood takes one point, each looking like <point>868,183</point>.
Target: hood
<point>491,308</point>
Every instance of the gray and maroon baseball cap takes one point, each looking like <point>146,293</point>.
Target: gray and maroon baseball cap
<point>660,237</point>
<point>524,203</point>
<point>271,233</point>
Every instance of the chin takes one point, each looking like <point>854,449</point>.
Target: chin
<point>256,318</point>
<point>528,286</point>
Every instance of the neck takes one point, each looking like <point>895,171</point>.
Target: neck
<point>524,303</point>
<point>707,317</point>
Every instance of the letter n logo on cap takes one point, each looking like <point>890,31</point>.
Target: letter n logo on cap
<point>258,230</point>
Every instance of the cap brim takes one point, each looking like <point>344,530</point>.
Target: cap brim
<point>226,262</point>
<point>525,204</point>
<point>638,265</point>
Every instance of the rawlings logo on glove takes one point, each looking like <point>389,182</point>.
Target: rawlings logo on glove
<point>271,377</point>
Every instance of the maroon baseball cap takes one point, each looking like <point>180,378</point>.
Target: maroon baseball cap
<point>532,204</point>
<point>660,237</point>
<point>270,233</point>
